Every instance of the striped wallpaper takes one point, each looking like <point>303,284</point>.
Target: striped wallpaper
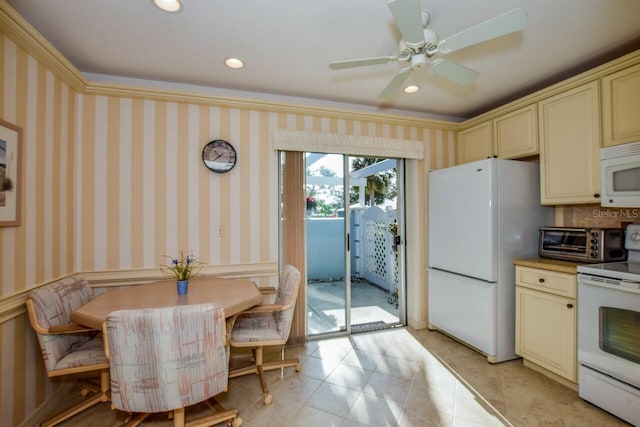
<point>113,183</point>
<point>142,190</point>
<point>35,100</point>
<point>41,248</point>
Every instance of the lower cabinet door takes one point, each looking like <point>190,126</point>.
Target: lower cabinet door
<point>546,331</point>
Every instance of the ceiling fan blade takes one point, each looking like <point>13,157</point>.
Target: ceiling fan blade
<point>408,16</point>
<point>508,22</point>
<point>395,83</point>
<point>338,65</point>
<point>455,72</point>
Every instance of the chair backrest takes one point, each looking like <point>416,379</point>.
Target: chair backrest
<point>166,358</point>
<point>52,305</point>
<point>286,296</point>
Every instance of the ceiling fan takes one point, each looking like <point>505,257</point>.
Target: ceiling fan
<point>419,44</point>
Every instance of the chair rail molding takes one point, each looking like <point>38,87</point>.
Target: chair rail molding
<point>13,305</point>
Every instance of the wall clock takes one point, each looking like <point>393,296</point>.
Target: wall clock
<point>219,156</point>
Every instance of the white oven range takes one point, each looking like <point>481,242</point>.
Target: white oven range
<point>609,332</point>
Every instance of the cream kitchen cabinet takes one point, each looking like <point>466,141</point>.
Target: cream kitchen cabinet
<point>515,134</point>
<point>512,135</point>
<point>475,143</point>
<point>546,316</point>
<point>569,131</point>
<point>621,107</point>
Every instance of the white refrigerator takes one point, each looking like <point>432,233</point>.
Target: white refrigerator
<point>482,216</point>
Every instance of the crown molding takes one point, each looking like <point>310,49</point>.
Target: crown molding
<point>588,76</point>
<point>112,89</point>
<point>29,39</point>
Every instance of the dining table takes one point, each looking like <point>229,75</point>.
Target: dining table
<point>234,295</point>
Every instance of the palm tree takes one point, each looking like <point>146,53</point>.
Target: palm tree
<point>380,186</point>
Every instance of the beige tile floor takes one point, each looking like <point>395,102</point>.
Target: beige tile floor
<point>395,377</point>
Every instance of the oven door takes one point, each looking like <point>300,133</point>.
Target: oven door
<point>564,243</point>
<point>609,328</point>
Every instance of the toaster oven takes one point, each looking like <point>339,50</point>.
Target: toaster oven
<point>582,244</point>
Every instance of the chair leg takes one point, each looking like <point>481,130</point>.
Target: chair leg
<point>263,381</point>
<point>282,364</point>
<point>178,417</point>
<point>238,372</point>
<point>135,419</point>
<point>105,384</point>
<point>260,367</point>
<point>100,396</point>
<point>221,415</point>
<point>76,409</point>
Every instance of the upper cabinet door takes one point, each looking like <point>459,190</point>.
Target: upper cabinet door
<point>475,143</point>
<point>621,107</point>
<point>569,129</point>
<point>515,134</point>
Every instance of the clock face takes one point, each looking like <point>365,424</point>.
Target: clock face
<point>219,156</point>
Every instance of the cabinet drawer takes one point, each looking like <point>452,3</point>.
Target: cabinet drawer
<point>562,284</point>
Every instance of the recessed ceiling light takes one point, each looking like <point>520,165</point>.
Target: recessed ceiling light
<point>168,5</point>
<point>234,63</point>
<point>411,89</point>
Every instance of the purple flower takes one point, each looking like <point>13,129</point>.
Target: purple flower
<point>183,267</point>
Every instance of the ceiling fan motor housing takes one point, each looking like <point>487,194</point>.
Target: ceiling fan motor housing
<point>430,44</point>
<point>418,61</point>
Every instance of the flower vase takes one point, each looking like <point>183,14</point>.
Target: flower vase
<point>183,286</point>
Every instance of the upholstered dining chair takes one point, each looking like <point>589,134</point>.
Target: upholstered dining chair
<point>267,325</point>
<point>166,359</point>
<point>68,348</point>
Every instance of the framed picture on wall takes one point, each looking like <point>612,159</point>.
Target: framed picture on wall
<point>10,185</point>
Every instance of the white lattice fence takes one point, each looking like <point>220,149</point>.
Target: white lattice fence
<point>380,263</point>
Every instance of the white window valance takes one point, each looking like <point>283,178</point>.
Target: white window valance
<point>355,145</point>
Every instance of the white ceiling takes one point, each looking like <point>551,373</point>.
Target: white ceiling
<point>288,44</point>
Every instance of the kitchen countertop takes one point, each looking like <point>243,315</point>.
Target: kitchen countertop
<point>569,267</point>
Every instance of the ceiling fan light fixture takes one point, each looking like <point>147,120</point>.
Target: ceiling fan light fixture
<point>168,5</point>
<point>235,63</point>
<point>411,89</point>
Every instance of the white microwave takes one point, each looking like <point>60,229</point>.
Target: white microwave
<point>620,175</point>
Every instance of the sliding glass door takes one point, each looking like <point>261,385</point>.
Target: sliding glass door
<point>352,244</point>
<point>328,273</point>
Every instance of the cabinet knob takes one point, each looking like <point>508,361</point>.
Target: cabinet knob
<point>569,305</point>
<point>596,195</point>
<point>541,280</point>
